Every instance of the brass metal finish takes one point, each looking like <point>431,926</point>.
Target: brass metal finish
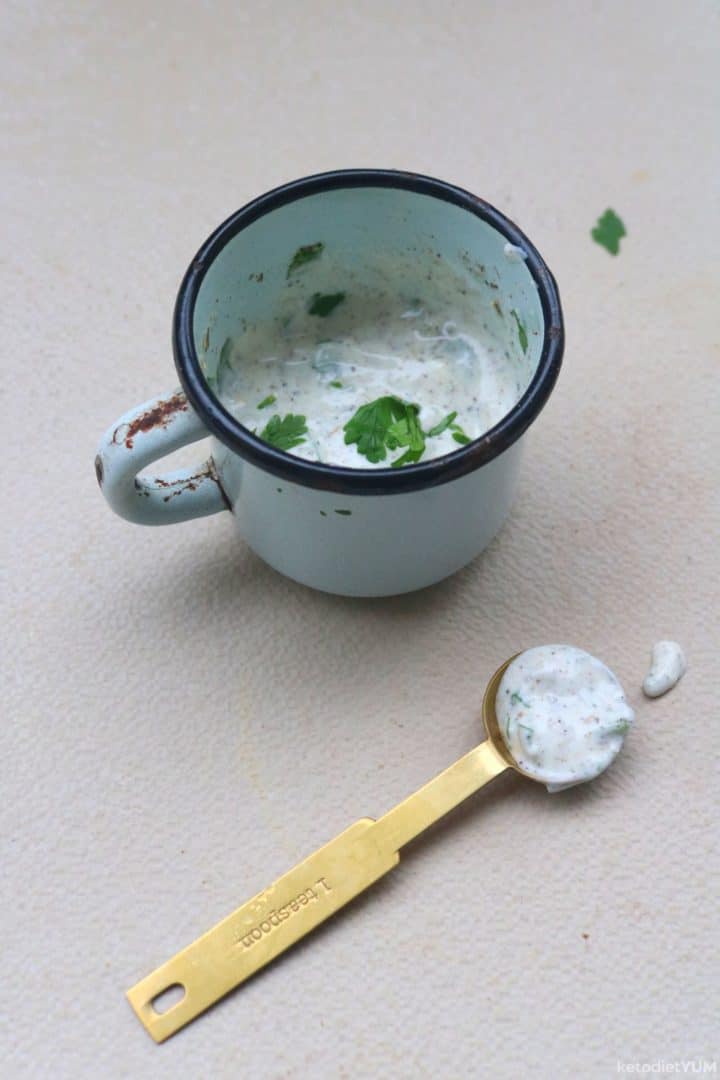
<point>256,933</point>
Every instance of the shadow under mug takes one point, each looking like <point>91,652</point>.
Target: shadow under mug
<point>356,532</point>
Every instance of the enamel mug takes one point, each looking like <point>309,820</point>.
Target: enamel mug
<point>357,532</point>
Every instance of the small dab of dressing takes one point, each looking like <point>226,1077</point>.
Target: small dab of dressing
<point>513,253</point>
<point>667,667</point>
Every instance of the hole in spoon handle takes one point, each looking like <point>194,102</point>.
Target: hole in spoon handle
<point>263,928</point>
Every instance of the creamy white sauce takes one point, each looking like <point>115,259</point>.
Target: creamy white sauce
<point>667,667</point>
<point>513,253</point>
<point>562,714</point>
<point>432,350</point>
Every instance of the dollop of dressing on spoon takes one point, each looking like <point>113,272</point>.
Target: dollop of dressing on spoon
<point>667,667</point>
<point>563,715</point>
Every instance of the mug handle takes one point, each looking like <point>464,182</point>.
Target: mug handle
<point>140,437</point>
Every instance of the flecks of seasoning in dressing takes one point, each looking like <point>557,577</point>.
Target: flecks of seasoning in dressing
<point>563,715</point>
<point>325,358</point>
<point>667,667</point>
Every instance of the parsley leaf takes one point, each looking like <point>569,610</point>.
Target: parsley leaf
<point>407,432</point>
<point>224,359</point>
<point>410,457</point>
<point>369,425</point>
<point>304,255</point>
<point>285,433</point>
<point>323,304</point>
<point>269,400</point>
<point>336,384</point>
<point>389,423</point>
<point>522,332</point>
<point>609,231</point>
<point>459,435</point>
<point>386,424</point>
<point>445,423</point>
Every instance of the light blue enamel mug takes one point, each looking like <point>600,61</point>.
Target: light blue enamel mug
<point>356,532</point>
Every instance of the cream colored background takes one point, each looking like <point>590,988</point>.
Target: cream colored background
<point>181,724</point>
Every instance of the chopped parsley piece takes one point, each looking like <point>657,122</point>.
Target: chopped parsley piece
<point>285,433</point>
<point>266,401</point>
<point>459,435</point>
<point>443,425</point>
<point>337,384</point>
<point>522,332</point>
<point>304,255</point>
<point>407,432</point>
<point>224,360</point>
<point>386,424</point>
<point>323,304</point>
<point>389,423</point>
<point>609,231</point>
<point>515,699</point>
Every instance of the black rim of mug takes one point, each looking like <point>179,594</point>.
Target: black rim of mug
<point>336,478</point>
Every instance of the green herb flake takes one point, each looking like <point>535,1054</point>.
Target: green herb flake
<point>385,424</point>
<point>304,255</point>
<point>459,435</point>
<point>407,433</point>
<point>522,332</point>
<point>443,425</point>
<point>336,384</point>
<point>225,354</point>
<point>530,731</point>
<point>323,304</point>
<point>285,433</point>
<point>266,402</point>
<point>609,231</point>
<point>515,699</point>
<point>344,513</point>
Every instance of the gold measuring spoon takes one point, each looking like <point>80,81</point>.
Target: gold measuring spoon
<point>315,889</point>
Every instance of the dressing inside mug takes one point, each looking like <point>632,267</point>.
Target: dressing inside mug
<point>357,531</point>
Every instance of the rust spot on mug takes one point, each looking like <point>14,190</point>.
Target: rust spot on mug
<point>160,416</point>
<point>99,470</point>
<point>184,483</point>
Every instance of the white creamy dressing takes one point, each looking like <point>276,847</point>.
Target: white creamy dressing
<point>435,352</point>
<point>667,667</point>
<point>563,715</point>
<point>513,253</point>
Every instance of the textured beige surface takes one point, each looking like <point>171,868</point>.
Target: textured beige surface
<point>181,724</point>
